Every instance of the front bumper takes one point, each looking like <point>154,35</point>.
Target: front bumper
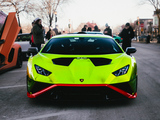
<point>120,90</point>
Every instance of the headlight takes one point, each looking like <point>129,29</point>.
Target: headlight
<point>121,71</point>
<point>42,71</point>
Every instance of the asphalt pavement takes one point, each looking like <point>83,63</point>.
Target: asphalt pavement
<point>15,105</point>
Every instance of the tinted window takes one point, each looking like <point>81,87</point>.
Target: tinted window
<point>23,37</point>
<point>81,46</point>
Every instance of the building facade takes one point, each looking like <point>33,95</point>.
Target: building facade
<point>143,26</point>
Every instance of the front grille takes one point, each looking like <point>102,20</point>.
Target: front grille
<point>83,93</point>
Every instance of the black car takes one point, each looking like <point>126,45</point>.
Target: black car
<point>23,37</point>
<point>23,40</point>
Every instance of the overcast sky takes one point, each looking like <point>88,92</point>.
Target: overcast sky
<point>113,12</point>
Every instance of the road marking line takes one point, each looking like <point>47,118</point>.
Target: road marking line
<point>6,87</point>
<point>45,116</point>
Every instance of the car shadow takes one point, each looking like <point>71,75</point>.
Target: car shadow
<point>83,103</point>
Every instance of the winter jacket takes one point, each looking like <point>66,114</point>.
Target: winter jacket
<point>96,29</point>
<point>38,34</point>
<point>83,29</point>
<point>109,31</point>
<point>48,35</point>
<point>127,35</point>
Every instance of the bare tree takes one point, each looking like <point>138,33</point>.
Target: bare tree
<point>17,5</point>
<point>156,5</point>
<point>47,9</point>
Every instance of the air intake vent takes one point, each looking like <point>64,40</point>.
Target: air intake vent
<point>62,61</point>
<point>100,61</point>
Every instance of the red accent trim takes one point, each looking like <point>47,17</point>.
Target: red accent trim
<point>34,95</point>
<point>128,95</point>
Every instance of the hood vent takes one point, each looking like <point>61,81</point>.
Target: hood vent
<point>100,61</point>
<point>62,61</point>
<point>95,61</point>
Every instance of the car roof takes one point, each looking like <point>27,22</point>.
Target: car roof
<point>88,32</point>
<point>82,35</point>
<point>21,34</point>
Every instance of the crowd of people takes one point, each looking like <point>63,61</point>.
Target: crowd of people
<point>126,34</point>
<point>38,33</point>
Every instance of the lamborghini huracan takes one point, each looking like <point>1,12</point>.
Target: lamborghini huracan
<point>82,65</point>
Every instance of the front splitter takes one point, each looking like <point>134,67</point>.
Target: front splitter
<point>124,93</point>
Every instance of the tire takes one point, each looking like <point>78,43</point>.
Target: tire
<point>19,59</point>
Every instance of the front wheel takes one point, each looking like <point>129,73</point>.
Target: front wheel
<point>19,59</point>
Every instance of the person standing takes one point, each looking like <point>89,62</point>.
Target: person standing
<point>89,29</point>
<point>127,34</point>
<point>56,30</point>
<point>48,35</point>
<point>38,33</point>
<point>84,28</point>
<point>148,38</point>
<point>96,29</point>
<point>32,40</point>
<point>108,30</point>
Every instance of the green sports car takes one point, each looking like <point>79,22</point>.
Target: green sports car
<point>118,38</point>
<point>82,65</point>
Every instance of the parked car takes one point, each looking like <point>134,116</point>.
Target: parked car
<point>82,64</point>
<point>118,38</point>
<point>86,32</point>
<point>142,38</point>
<point>23,39</point>
<point>10,52</point>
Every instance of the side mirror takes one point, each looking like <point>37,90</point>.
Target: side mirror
<point>32,51</point>
<point>130,50</point>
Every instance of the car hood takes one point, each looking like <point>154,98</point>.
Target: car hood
<point>81,69</point>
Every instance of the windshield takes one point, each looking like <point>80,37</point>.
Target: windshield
<point>81,46</point>
<point>2,22</point>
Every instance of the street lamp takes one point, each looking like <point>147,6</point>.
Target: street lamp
<point>69,25</point>
<point>55,18</point>
<point>138,28</point>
